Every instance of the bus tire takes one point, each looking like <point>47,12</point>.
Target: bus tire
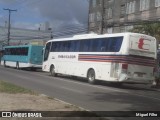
<point>4,63</point>
<point>91,76</point>
<point>17,65</point>
<point>52,71</point>
<point>33,69</point>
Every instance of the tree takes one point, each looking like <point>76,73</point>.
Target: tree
<point>152,29</point>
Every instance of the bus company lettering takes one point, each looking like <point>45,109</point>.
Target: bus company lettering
<point>67,56</point>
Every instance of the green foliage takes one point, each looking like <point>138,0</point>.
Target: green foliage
<point>11,88</point>
<point>152,29</point>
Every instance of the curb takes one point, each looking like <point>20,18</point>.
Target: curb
<point>65,102</point>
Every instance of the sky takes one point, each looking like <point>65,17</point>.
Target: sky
<point>61,14</point>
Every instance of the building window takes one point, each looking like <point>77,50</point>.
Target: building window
<point>91,17</point>
<point>157,3</point>
<point>123,9</point>
<point>99,17</point>
<point>98,2</point>
<point>109,13</point>
<point>144,4</point>
<point>94,3</point>
<point>110,0</point>
<point>110,30</point>
<point>122,29</point>
<point>128,28</point>
<point>130,7</point>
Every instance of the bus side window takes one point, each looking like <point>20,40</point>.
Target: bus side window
<point>118,43</point>
<point>12,51</point>
<point>68,45</point>
<point>95,45</point>
<point>85,45</point>
<point>82,45</point>
<point>26,51</point>
<point>7,51</point>
<point>115,44</point>
<point>103,45</point>
<point>52,47</point>
<point>56,46</point>
<point>72,46</point>
<point>88,45</point>
<point>90,42</point>
<point>77,46</point>
<point>61,46</point>
<point>19,51</point>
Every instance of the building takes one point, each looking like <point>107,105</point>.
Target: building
<point>113,16</point>
<point>45,26</point>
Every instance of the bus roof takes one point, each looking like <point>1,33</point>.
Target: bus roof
<point>93,35</point>
<point>16,46</point>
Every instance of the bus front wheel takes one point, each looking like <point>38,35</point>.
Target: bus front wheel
<point>91,76</point>
<point>4,63</point>
<point>52,71</point>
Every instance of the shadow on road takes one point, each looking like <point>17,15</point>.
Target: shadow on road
<point>127,86</point>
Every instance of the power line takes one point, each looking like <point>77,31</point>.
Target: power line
<point>9,24</point>
<point>57,34</point>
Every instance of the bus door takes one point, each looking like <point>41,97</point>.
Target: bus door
<point>115,71</point>
<point>46,66</point>
<point>36,55</point>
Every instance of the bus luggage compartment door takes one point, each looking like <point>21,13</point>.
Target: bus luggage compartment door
<point>114,70</point>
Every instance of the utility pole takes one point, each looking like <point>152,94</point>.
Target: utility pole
<point>9,24</point>
<point>102,21</point>
<point>89,4</point>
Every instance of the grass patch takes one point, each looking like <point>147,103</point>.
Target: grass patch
<point>6,87</point>
<point>51,98</point>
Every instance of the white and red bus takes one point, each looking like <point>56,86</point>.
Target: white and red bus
<point>120,57</point>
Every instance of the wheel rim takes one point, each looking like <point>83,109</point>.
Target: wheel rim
<point>52,71</point>
<point>4,63</point>
<point>91,76</point>
<point>17,66</point>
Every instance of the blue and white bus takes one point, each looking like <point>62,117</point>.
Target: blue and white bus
<point>121,57</point>
<point>23,56</point>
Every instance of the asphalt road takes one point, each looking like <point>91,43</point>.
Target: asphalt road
<point>101,97</point>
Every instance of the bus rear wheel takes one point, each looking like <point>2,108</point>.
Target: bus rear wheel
<point>91,76</point>
<point>17,65</point>
<point>52,71</point>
